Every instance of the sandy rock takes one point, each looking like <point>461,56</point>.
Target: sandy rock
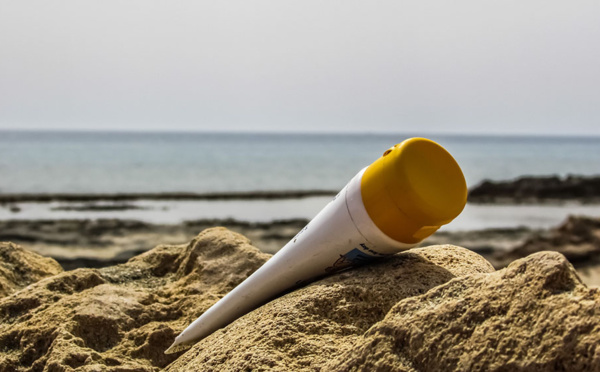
<point>433,308</point>
<point>121,318</point>
<point>535,315</point>
<point>305,328</point>
<point>20,268</point>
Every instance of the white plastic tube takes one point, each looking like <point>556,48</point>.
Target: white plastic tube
<point>330,242</point>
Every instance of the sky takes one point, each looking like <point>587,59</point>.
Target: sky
<point>475,67</point>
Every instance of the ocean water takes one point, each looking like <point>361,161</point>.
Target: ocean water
<point>111,162</point>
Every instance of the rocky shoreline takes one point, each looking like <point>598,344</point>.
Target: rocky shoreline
<point>538,189</point>
<point>127,197</point>
<point>107,242</point>
<point>434,308</point>
<point>526,189</point>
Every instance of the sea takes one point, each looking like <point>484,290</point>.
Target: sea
<point>70,162</point>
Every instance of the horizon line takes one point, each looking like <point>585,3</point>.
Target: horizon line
<point>296,132</point>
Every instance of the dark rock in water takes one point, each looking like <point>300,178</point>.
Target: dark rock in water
<point>578,239</point>
<point>91,262</point>
<point>68,232</point>
<point>128,197</point>
<point>97,207</point>
<point>85,243</point>
<point>19,268</point>
<point>538,189</point>
<point>432,308</point>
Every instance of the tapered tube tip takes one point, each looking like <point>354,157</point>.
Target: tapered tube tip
<point>177,347</point>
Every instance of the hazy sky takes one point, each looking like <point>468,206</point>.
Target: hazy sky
<point>411,66</point>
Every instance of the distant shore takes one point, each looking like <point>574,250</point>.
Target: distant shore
<point>538,190</point>
<point>523,190</point>
<point>123,197</point>
<point>104,242</point>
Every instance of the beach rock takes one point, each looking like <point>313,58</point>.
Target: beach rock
<point>304,329</point>
<point>535,189</point>
<point>578,239</point>
<point>432,308</point>
<point>535,315</point>
<point>20,268</point>
<point>121,318</point>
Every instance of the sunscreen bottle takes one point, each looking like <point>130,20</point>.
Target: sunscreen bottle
<point>389,206</point>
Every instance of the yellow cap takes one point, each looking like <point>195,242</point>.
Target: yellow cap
<point>413,189</point>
